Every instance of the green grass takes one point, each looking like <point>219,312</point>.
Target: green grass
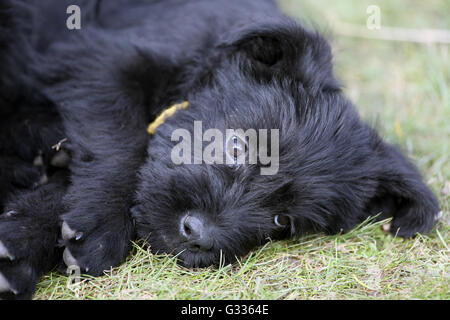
<point>363,264</point>
<point>405,88</point>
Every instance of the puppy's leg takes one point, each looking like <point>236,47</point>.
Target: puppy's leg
<point>15,174</point>
<point>100,83</point>
<point>108,145</point>
<point>29,232</point>
<point>401,193</point>
<point>97,229</point>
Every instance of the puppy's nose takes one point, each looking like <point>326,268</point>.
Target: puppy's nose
<point>196,232</point>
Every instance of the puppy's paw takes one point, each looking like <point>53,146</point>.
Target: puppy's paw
<point>17,280</point>
<point>410,221</point>
<point>94,246</point>
<point>17,277</point>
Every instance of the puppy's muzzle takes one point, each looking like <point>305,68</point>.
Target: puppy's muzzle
<point>196,233</point>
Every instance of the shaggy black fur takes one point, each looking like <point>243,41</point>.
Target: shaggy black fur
<point>240,64</point>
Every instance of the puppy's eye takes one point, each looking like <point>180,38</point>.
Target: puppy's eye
<point>281,221</point>
<point>236,150</point>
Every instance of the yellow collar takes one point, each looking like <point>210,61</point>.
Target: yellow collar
<point>164,115</point>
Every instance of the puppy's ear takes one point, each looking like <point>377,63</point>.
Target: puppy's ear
<point>286,50</point>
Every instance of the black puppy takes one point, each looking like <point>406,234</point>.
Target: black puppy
<point>92,93</point>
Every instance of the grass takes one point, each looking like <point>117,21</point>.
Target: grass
<point>404,87</point>
<point>364,263</point>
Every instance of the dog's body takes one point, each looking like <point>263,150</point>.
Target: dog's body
<point>91,94</point>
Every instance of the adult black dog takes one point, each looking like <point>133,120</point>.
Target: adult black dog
<point>81,177</point>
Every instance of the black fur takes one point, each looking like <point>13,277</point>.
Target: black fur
<point>91,93</point>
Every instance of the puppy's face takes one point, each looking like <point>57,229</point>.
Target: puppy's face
<point>275,78</point>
